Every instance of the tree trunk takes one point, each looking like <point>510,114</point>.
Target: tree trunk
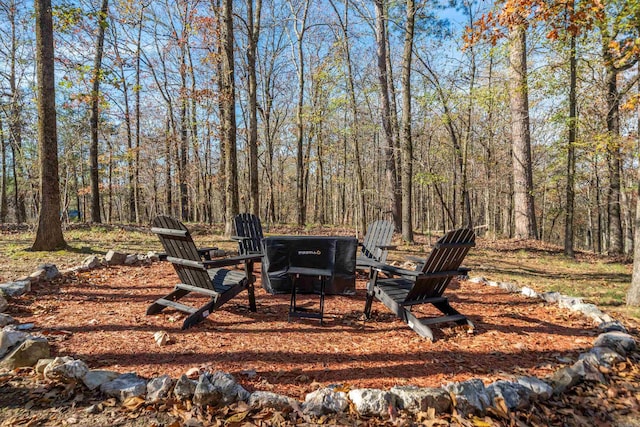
<point>465,202</point>
<point>138,89</point>
<point>49,230</point>
<point>253,21</point>
<point>525,219</point>
<point>167,166</point>
<point>571,151</point>
<point>599,215</point>
<point>385,112</point>
<point>131,202</point>
<point>355,122</point>
<point>229,117</point>
<point>183,156</point>
<point>300,187</point>
<point>3,180</point>
<point>395,130</point>
<point>633,293</point>
<point>94,117</point>
<point>613,162</point>
<point>407,144</point>
<point>15,127</point>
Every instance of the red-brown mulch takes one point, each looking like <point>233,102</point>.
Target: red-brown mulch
<point>99,316</point>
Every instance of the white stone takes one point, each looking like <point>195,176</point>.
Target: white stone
<point>603,356</point>
<point>9,338</point>
<point>416,399</point>
<point>514,395</point>
<point>15,289</point>
<point>229,387</point>
<point>538,388</point>
<point>96,377</point>
<point>115,258</point>
<point>470,396</point>
<point>131,259</point>
<point>90,262</point>
<point>207,393</point>
<point>563,379</point>
<point>66,369</point>
<point>184,388</point>
<point>125,386</point>
<point>618,341</point>
<point>159,388</point>
<point>27,353</point>
<point>551,297</point>
<point>588,371</point>
<point>611,326</point>
<point>267,399</point>
<point>152,256</point>
<point>325,401</point>
<point>509,287</point>
<point>46,272</point>
<point>372,402</point>
<point>568,302</point>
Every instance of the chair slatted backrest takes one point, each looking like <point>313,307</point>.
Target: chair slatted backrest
<point>446,257</point>
<point>181,251</point>
<point>379,233</point>
<point>248,225</point>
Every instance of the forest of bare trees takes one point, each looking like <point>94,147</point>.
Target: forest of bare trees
<point>521,123</point>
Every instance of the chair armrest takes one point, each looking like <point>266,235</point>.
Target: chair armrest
<point>225,262</point>
<point>386,247</point>
<point>390,269</point>
<point>205,253</point>
<point>241,238</point>
<point>464,271</point>
<point>415,259</point>
<point>364,262</point>
<point>202,250</point>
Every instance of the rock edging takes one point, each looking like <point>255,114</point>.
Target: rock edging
<point>468,398</point>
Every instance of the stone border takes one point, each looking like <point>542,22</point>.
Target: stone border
<point>18,348</point>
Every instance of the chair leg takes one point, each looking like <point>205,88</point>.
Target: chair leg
<point>446,308</point>
<point>415,324</point>
<point>252,297</point>
<point>293,307</point>
<point>322,285</point>
<point>156,308</point>
<point>369,301</point>
<point>292,303</point>
<point>199,315</point>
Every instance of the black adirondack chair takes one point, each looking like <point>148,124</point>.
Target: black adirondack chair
<point>426,285</point>
<point>376,244</point>
<point>248,233</point>
<point>200,275</point>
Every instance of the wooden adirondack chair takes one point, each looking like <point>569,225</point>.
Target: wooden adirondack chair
<point>376,244</point>
<point>407,288</point>
<point>199,275</point>
<point>248,233</point>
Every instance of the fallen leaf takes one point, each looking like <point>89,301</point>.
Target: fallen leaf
<point>134,402</point>
<point>162,338</point>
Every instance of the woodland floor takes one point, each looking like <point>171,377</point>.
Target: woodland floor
<point>99,317</point>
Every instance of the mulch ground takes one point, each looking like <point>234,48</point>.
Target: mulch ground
<point>99,317</point>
